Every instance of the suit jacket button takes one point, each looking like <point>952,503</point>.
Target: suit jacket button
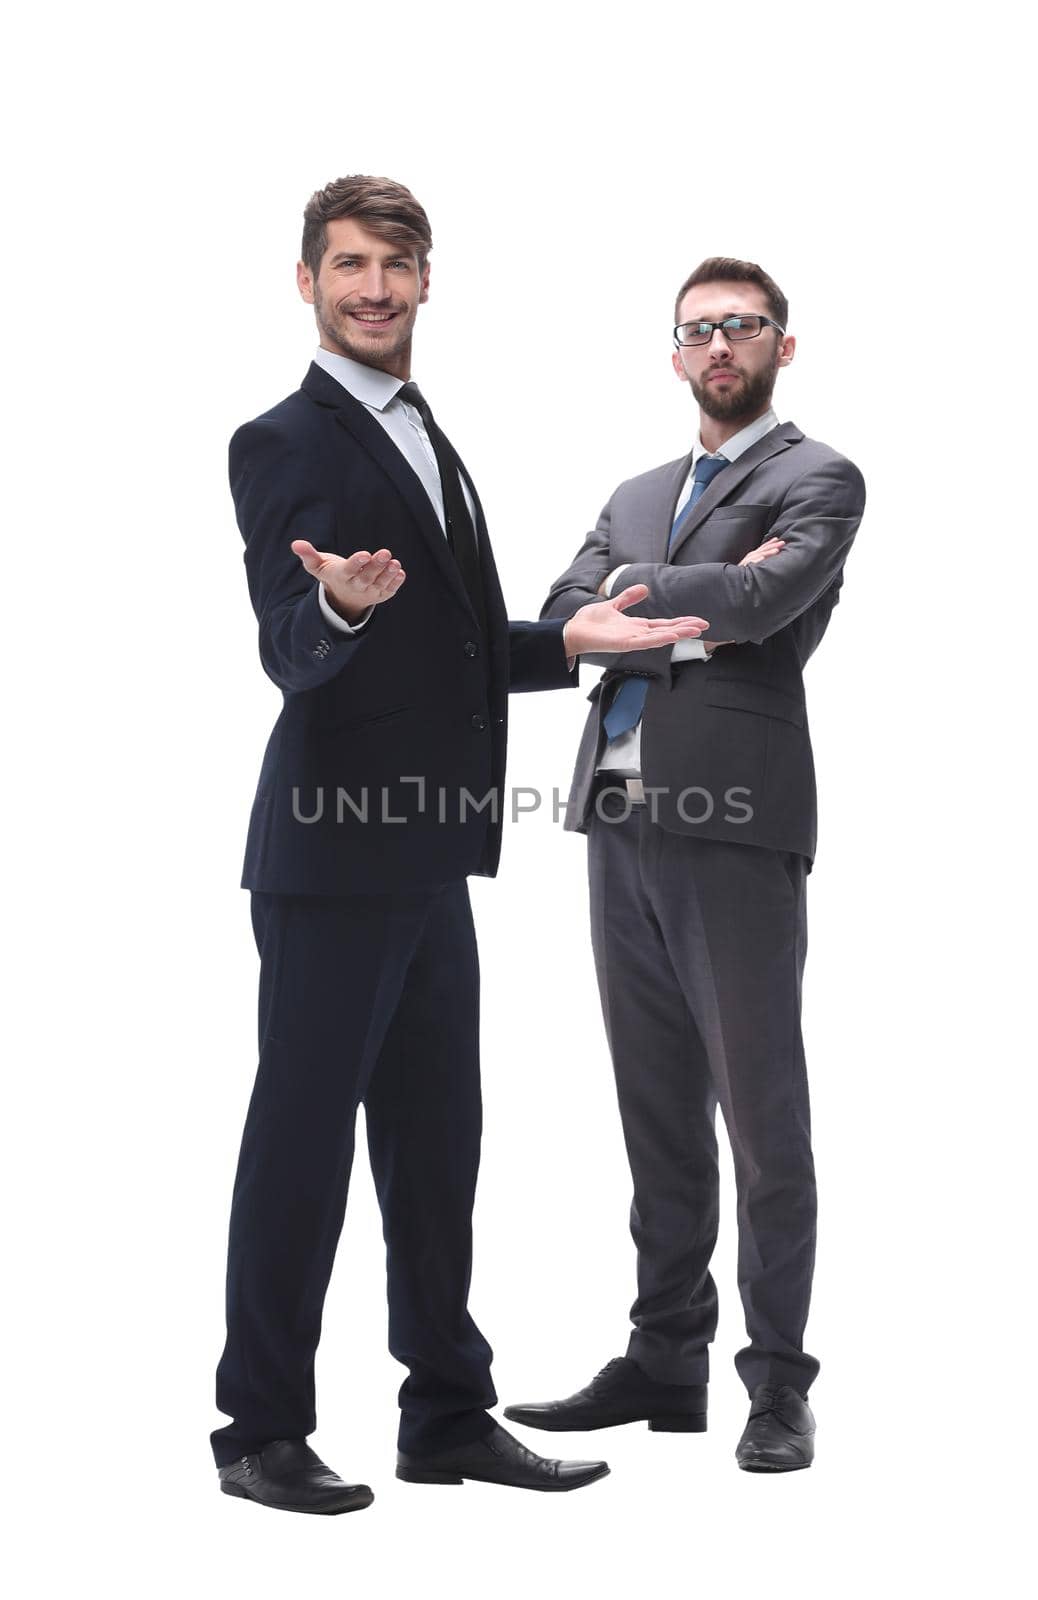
<point>471,649</point>
<point>479,723</point>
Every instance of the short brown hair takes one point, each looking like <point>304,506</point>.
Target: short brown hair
<point>385,208</point>
<point>726,269</point>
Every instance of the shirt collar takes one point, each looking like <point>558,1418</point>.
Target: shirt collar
<point>740,442</point>
<point>370,385</point>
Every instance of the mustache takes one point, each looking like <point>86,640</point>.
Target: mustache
<point>378,305</point>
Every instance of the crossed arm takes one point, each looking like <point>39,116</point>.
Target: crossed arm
<point>745,602</point>
<point>770,547</point>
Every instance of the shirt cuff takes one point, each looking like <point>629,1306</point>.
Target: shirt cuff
<point>613,577</point>
<point>333,618</point>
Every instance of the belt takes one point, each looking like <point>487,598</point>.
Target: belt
<point>634,788</point>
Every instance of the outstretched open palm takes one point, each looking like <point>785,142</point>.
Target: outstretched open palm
<point>352,583</point>
<point>602,628</point>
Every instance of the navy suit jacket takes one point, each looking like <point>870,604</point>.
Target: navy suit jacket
<point>385,769</point>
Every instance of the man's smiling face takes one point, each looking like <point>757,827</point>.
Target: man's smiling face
<point>366,296</point>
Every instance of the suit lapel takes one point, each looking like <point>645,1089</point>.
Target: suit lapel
<point>728,481</point>
<point>662,524</point>
<point>372,438</point>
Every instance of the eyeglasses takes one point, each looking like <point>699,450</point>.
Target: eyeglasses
<point>733,328</point>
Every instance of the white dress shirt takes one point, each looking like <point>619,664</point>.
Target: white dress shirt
<point>623,754</point>
<point>377,392</point>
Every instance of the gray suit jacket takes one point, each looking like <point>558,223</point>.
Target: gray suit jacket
<point>725,742</point>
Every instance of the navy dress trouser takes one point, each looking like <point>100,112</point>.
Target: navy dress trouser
<point>369,999</point>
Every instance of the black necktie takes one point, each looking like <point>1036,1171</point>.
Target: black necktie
<point>461,535</point>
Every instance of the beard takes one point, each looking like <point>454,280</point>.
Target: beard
<point>336,327</point>
<point>748,397</point>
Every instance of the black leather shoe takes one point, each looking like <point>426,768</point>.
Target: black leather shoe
<point>780,1435</point>
<point>620,1393</point>
<point>290,1477</point>
<point>498,1458</point>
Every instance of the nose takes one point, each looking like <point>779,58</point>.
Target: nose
<point>373,284</point>
<point>720,348</point>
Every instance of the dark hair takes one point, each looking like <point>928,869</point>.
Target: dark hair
<point>385,208</point>
<point>726,269</point>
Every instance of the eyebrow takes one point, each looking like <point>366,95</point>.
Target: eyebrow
<point>360,255</point>
<point>724,315</point>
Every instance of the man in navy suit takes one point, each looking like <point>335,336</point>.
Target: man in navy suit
<point>381,620</point>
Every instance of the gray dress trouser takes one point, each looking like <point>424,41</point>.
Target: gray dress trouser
<point>699,948</point>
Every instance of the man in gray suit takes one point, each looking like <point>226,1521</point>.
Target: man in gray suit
<point>695,786</point>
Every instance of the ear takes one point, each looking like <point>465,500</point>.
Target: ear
<point>787,349</point>
<point>305,282</point>
<point>423,291</point>
<point>678,365</point>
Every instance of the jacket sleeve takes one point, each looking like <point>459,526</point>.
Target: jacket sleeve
<point>537,657</point>
<point>278,496</point>
<point>818,518</point>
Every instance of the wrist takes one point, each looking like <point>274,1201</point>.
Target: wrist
<point>348,610</point>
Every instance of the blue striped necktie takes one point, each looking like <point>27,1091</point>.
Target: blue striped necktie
<point>629,701</point>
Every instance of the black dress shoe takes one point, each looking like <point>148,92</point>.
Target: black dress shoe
<point>290,1477</point>
<point>620,1393</point>
<point>780,1435</point>
<point>498,1458</point>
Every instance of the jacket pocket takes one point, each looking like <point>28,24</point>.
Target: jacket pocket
<point>363,719</point>
<point>741,508</point>
<point>763,699</point>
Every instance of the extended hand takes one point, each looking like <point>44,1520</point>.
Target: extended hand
<point>352,583</point>
<point>602,628</point>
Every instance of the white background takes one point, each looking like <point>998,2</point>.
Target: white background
<point>576,162</point>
